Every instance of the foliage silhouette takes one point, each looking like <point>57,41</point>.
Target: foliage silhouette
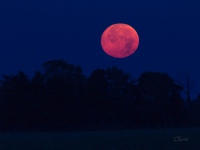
<point>62,98</point>
<point>162,99</point>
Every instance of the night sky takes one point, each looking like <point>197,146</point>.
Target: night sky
<point>35,31</point>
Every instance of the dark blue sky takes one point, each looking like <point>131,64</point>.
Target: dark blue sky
<point>35,31</point>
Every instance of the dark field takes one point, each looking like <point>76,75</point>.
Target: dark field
<point>148,139</point>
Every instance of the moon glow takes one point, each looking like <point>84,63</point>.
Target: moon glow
<point>119,40</point>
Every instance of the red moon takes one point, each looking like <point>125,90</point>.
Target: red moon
<point>119,40</point>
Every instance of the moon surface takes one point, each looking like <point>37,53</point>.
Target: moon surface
<point>119,40</point>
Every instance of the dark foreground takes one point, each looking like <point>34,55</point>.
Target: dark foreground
<point>147,139</point>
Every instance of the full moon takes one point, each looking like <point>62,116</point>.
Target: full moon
<point>119,40</point>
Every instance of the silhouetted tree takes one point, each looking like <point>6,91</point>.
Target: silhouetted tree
<point>120,88</point>
<point>16,95</point>
<point>187,85</point>
<point>195,112</point>
<point>64,85</point>
<point>37,100</point>
<point>96,96</point>
<point>108,96</point>
<point>159,99</point>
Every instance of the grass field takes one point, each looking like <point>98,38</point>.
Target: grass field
<point>151,139</point>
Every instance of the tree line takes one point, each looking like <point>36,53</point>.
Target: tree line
<point>63,99</point>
